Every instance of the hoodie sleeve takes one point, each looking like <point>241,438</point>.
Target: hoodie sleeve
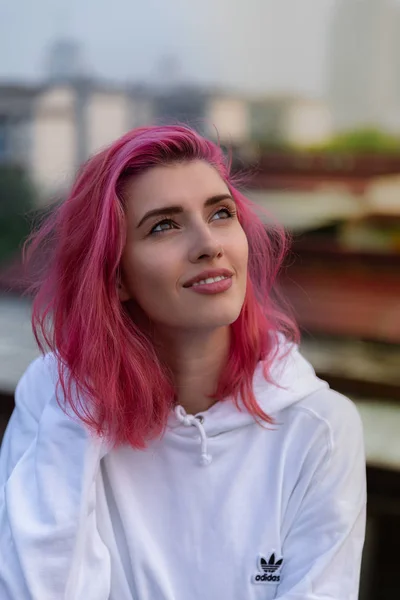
<point>49,545</point>
<point>324,524</point>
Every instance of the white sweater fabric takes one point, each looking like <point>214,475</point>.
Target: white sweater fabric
<point>220,507</point>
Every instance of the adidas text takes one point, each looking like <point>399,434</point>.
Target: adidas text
<point>266,578</point>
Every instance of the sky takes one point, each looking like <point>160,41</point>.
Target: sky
<point>273,46</point>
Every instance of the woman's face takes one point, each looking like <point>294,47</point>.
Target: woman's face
<point>185,259</point>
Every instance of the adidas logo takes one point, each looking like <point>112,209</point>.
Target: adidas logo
<point>268,570</point>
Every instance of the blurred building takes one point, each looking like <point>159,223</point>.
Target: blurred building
<point>290,120</point>
<point>71,122</point>
<point>364,87</point>
<point>237,119</point>
<point>52,128</point>
<point>16,116</point>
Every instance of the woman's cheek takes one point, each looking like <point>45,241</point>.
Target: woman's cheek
<point>158,269</point>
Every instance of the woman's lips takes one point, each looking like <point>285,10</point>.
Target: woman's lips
<point>209,274</point>
<point>214,287</point>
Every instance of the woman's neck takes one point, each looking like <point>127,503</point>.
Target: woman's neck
<point>196,360</point>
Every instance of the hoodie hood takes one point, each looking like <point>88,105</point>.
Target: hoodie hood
<point>291,378</point>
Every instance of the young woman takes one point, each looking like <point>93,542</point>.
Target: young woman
<point>173,444</point>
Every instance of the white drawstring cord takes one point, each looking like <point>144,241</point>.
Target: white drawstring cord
<point>191,421</point>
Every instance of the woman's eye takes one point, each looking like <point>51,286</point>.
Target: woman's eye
<point>223,213</point>
<point>165,225</point>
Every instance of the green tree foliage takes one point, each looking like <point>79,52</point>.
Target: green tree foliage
<point>363,141</point>
<point>17,199</point>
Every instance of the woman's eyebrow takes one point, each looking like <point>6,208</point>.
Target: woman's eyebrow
<point>176,209</point>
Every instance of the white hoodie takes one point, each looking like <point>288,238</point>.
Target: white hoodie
<point>219,509</point>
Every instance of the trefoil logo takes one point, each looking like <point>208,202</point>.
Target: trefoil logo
<point>269,570</point>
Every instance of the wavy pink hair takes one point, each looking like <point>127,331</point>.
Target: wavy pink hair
<point>109,371</point>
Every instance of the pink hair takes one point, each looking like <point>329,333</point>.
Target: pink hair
<point>109,372</point>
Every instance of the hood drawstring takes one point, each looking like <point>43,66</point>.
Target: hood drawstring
<point>191,421</point>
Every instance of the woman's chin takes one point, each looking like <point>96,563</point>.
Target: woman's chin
<point>215,319</point>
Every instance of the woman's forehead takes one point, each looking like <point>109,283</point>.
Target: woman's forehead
<point>182,183</point>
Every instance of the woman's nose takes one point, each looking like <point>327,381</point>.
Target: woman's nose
<point>204,247</point>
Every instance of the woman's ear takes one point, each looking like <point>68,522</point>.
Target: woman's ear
<point>123,293</point>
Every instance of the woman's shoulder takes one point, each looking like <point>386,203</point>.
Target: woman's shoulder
<point>37,384</point>
<point>303,395</point>
<point>333,413</point>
